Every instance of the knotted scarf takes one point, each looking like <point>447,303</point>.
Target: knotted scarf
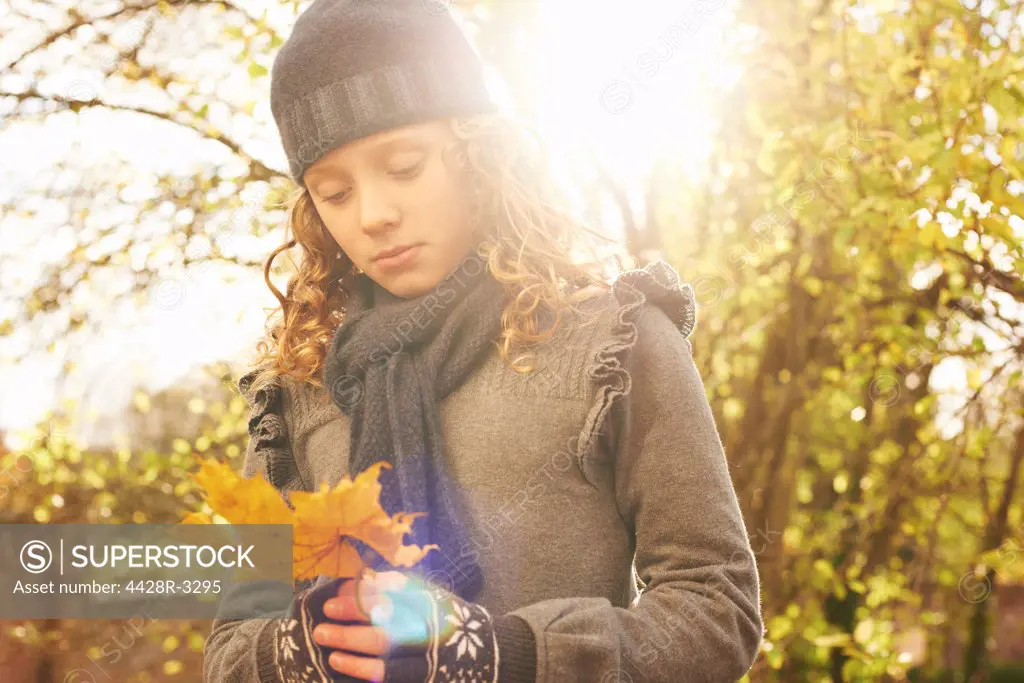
<point>390,363</point>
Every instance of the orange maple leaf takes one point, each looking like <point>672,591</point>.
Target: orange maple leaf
<point>326,519</point>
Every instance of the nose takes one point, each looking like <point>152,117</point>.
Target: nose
<point>376,209</point>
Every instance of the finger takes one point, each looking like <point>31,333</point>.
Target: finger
<point>365,599</point>
<point>367,640</point>
<point>364,668</point>
<point>372,594</point>
<point>345,605</point>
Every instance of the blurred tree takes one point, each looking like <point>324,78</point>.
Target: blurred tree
<point>859,261</point>
<point>855,247</point>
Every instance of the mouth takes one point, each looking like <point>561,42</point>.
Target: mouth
<point>397,257</point>
<point>393,251</point>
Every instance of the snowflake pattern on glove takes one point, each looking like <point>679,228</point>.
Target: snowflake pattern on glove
<point>298,658</point>
<point>461,645</point>
<point>466,645</point>
<point>467,634</point>
<point>286,647</point>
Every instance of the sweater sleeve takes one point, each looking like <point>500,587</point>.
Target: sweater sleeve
<point>241,650</point>
<point>232,653</point>
<point>698,618</point>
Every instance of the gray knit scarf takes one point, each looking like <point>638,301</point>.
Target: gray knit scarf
<point>390,363</point>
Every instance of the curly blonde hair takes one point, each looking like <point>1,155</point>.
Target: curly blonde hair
<point>531,241</point>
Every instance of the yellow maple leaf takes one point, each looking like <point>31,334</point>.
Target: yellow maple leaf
<point>326,519</point>
<point>322,521</point>
<point>237,499</point>
<point>197,518</point>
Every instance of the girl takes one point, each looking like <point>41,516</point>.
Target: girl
<point>552,426</point>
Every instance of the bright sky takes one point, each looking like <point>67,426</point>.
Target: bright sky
<point>622,80</point>
<point>626,80</point>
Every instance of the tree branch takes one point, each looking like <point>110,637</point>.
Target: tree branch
<point>258,170</point>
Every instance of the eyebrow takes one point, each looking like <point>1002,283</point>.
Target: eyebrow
<point>378,149</point>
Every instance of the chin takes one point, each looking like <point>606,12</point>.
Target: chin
<point>411,283</point>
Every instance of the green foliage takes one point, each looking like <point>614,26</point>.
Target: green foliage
<point>864,176</point>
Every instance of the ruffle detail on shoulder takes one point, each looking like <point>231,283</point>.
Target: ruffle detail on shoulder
<point>657,283</point>
<point>268,433</point>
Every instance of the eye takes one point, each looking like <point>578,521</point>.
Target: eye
<point>337,197</point>
<point>407,170</point>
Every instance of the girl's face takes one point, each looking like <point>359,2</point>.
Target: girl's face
<point>396,209</point>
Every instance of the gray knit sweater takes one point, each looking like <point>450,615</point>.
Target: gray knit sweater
<point>603,462</point>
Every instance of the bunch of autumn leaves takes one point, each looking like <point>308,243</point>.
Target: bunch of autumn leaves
<point>323,521</point>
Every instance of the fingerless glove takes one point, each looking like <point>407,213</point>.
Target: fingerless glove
<point>445,639</point>
<point>437,636</point>
<point>287,651</point>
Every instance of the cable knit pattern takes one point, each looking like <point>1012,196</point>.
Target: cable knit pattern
<point>659,284</point>
<point>560,361</point>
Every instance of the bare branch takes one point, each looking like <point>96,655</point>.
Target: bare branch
<point>78,21</point>
<point>258,170</point>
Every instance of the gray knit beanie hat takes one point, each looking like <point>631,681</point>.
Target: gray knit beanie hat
<point>351,68</point>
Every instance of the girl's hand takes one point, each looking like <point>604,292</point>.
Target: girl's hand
<point>360,650</point>
<point>406,630</point>
<point>385,628</point>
